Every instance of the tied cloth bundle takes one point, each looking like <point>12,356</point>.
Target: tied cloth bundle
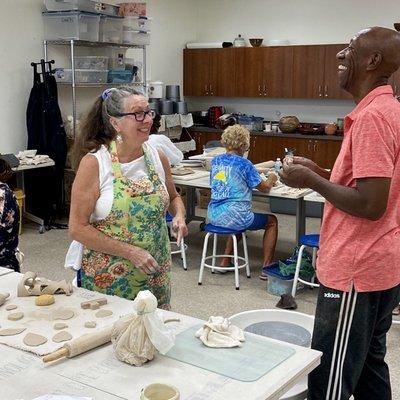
<point>137,337</point>
<point>218,332</point>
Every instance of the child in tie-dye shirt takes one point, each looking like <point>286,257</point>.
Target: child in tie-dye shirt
<point>232,180</point>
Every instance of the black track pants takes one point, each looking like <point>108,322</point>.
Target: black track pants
<point>350,329</point>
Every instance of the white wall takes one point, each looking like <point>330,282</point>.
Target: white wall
<point>300,22</point>
<point>21,34</point>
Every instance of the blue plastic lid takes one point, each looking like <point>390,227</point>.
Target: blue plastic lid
<point>275,272</point>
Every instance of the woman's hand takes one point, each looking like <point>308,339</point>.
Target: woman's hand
<point>179,229</point>
<point>143,260</point>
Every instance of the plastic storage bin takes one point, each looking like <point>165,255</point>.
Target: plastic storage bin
<point>110,29</point>
<point>136,37</point>
<point>118,76</point>
<point>81,75</point>
<point>277,284</point>
<point>137,24</point>
<point>71,25</point>
<point>91,62</point>
<point>81,5</point>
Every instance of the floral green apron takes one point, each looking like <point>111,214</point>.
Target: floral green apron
<point>137,217</point>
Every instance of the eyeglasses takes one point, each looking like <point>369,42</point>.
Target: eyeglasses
<point>139,116</point>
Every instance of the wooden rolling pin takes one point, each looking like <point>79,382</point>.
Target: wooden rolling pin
<point>80,345</point>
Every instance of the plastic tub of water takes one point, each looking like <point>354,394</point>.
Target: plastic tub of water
<point>278,284</point>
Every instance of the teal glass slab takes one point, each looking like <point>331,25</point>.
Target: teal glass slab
<point>248,363</point>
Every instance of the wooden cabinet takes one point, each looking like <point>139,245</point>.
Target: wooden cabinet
<point>263,72</point>
<point>209,72</point>
<point>263,147</point>
<point>308,72</point>
<point>315,72</point>
<point>331,88</point>
<point>325,152</point>
<point>201,138</point>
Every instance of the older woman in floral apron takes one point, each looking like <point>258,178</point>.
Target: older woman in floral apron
<point>122,190</point>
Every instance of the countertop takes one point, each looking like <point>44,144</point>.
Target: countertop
<point>201,128</point>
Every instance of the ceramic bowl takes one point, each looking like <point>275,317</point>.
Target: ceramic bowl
<point>256,42</point>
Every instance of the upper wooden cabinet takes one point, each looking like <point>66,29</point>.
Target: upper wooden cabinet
<point>332,89</point>
<point>315,72</point>
<point>264,72</point>
<point>209,72</point>
<point>280,72</point>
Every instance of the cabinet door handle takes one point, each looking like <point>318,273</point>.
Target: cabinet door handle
<point>211,90</point>
<point>265,90</point>
<point>259,90</point>
<point>315,146</point>
<point>319,90</point>
<point>326,90</point>
<point>206,88</point>
<point>308,146</point>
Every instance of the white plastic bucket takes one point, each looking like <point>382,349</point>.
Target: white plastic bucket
<point>160,391</point>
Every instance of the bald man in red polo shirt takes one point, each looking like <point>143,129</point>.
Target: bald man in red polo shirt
<point>358,263</point>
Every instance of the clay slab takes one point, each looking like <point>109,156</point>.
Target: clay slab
<point>62,337</point>
<point>11,331</point>
<point>103,313</point>
<point>15,316</point>
<point>33,340</point>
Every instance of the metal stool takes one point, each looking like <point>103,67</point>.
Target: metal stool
<point>305,241</point>
<point>217,230</point>
<point>181,249</point>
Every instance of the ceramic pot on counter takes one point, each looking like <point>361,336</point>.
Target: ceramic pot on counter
<point>289,124</point>
<point>330,129</point>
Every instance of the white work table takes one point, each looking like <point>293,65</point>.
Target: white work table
<point>100,375</point>
<point>278,192</point>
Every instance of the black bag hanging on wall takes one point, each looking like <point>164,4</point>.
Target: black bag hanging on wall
<point>46,134</point>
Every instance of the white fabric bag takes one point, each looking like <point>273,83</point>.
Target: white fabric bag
<point>137,337</point>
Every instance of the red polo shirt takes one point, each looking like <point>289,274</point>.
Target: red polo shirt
<point>356,250</point>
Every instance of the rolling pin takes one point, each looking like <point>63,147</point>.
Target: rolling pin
<point>80,345</point>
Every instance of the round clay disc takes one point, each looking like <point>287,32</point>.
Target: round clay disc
<point>15,316</point>
<point>11,307</point>
<point>59,325</point>
<point>63,313</point>
<point>32,339</point>
<point>62,337</point>
<point>11,331</point>
<point>103,313</point>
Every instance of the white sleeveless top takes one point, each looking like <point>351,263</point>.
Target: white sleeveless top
<point>133,170</point>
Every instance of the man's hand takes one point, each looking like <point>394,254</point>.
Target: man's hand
<point>179,229</point>
<point>305,162</point>
<point>295,175</point>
